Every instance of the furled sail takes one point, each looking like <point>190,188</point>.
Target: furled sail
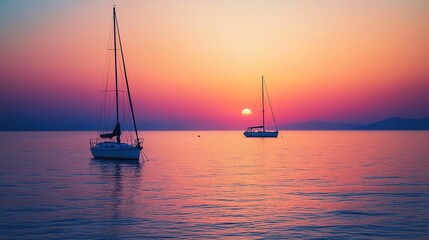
<point>249,129</point>
<point>116,132</point>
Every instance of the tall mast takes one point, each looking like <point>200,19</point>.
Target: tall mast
<point>126,81</point>
<point>263,107</point>
<point>116,70</point>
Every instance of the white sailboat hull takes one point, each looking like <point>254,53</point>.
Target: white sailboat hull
<point>261,134</point>
<point>111,150</point>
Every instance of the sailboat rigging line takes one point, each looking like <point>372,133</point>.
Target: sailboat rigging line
<point>126,81</point>
<point>104,84</point>
<point>144,154</point>
<point>269,101</point>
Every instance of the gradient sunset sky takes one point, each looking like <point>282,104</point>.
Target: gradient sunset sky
<point>195,64</point>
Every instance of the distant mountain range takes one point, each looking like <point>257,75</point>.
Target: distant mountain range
<point>320,125</point>
<point>394,123</point>
<point>397,123</point>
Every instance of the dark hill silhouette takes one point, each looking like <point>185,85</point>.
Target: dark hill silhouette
<point>394,123</point>
<point>397,123</point>
<point>320,125</point>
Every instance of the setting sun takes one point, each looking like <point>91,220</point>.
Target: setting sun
<point>246,112</point>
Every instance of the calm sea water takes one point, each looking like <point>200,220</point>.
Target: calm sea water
<point>305,184</point>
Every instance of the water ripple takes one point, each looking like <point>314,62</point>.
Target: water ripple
<point>305,185</point>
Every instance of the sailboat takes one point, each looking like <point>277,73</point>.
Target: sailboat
<point>260,131</point>
<point>110,144</point>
